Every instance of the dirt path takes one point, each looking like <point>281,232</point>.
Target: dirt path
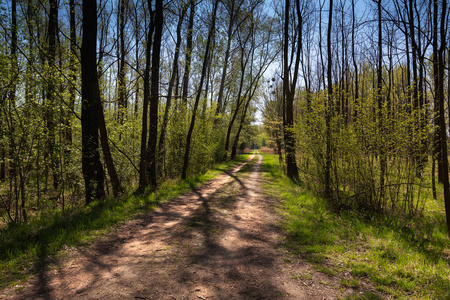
<point>218,242</point>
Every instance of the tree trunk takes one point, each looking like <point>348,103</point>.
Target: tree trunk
<point>199,92</point>
<point>122,101</point>
<point>162,137</point>
<point>328,110</point>
<point>187,66</point>
<point>113,176</point>
<point>289,91</point>
<point>380,104</point>
<point>241,125</point>
<point>72,74</point>
<point>92,168</point>
<point>219,107</point>
<point>238,105</point>
<point>51,90</point>
<point>142,165</point>
<point>154,95</point>
<point>355,64</point>
<point>440,95</point>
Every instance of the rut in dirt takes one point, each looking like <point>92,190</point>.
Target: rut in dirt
<point>217,242</point>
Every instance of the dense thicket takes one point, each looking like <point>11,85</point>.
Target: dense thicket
<point>371,107</point>
<point>124,93</point>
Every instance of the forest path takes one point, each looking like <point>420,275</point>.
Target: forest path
<point>217,242</point>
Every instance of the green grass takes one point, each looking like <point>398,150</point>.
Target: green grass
<point>403,257</point>
<point>30,248</point>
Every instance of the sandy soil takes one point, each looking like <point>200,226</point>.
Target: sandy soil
<point>218,242</point>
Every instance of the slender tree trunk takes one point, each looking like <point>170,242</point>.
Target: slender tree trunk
<point>162,137</point>
<point>92,168</point>
<point>219,107</point>
<point>241,125</point>
<point>239,100</point>
<point>440,95</point>
<point>72,74</point>
<point>187,66</point>
<point>380,103</point>
<point>154,95</point>
<point>289,90</point>
<point>199,92</point>
<point>328,110</point>
<point>122,101</point>
<point>51,90</point>
<point>143,182</point>
<point>415,101</point>
<point>14,156</point>
<point>113,176</point>
<point>355,64</point>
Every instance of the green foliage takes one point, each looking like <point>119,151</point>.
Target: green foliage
<point>404,256</point>
<point>359,148</point>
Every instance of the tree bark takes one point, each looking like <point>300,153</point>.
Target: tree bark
<point>73,74</point>
<point>50,92</point>
<point>328,110</point>
<point>225,62</point>
<point>380,104</point>
<point>142,165</point>
<point>122,101</point>
<point>154,95</point>
<point>199,92</point>
<point>113,176</point>
<point>92,168</point>
<point>162,137</point>
<point>355,64</point>
<point>439,84</point>
<point>187,66</point>
<point>289,90</point>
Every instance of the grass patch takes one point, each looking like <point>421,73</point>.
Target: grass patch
<point>30,248</point>
<point>365,296</point>
<point>351,283</point>
<point>407,258</point>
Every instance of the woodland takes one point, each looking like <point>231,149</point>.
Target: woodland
<point>107,99</point>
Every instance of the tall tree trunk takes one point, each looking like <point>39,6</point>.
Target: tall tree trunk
<point>199,92</point>
<point>92,168</point>
<point>440,96</point>
<point>380,103</point>
<point>187,66</point>
<point>355,64</point>
<point>162,137</point>
<point>104,142</point>
<point>239,100</point>
<point>73,72</point>
<point>14,156</point>
<point>219,107</point>
<point>415,100</point>
<point>154,95</point>
<point>328,110</point>
<point>289,90</point>
<point>122,101</point>
<point>422,108</point>
<point>10,99</point>
<point>138,77</point>
<point>143,157</point>
<point>241,123</point>
<point>51,91</point>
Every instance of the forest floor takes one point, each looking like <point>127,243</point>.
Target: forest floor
<point>220,241</point>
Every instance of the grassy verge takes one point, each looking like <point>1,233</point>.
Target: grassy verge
<point>29,248</point>
<point>399,257</point>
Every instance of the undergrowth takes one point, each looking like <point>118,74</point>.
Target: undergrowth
<point>30,248</point>
<point>402,257</point>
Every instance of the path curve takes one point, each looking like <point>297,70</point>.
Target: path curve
<point>217,242</point>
